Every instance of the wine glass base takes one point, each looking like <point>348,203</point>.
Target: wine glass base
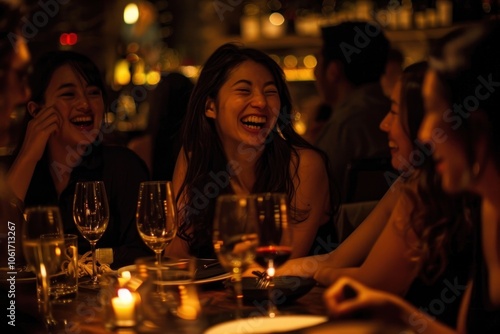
<point>88,283</point>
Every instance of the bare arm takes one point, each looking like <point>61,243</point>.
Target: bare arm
<point>178,248</point>
<point>392,253</point>
<point>312,195</point>
<point>40,128</point>
<point>354,250</point>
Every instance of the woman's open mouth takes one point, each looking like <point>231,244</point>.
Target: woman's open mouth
<point>254,122</point>
<point>83,122</point>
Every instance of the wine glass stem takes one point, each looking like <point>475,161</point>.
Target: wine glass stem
<point>238,290</point>
<point>94,265</point>
<point>43,281</point>
<point>158,258</point>
<point>271,308</point>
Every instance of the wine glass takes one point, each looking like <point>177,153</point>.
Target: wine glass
<point>91,215</point>
<point>156,215</point>
<point>275,237</point>
<point>43,255</point>
<point>235,237</point>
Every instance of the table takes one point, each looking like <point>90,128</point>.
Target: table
<point>85,313</point>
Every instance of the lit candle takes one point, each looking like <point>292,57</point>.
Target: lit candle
<point>124,308</point>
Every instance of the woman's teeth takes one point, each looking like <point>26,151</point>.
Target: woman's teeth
<point>254,122</point>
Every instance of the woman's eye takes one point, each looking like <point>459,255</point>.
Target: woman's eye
<point>271,92</point>
<point>67,94</point>
<point>243,90</point>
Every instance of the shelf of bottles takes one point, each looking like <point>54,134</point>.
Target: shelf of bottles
<point>292,34</point>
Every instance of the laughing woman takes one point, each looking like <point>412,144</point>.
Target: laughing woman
<point>238,138</point>
<point>63,145</point>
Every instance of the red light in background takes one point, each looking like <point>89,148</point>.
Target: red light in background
<point>68,38</point>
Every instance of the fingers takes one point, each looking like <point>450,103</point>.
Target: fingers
<point>47,120</point>
<point>345,297</point>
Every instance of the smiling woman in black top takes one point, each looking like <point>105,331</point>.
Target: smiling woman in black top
<point>63,145</point>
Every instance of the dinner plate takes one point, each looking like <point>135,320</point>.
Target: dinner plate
<point>281,323</point>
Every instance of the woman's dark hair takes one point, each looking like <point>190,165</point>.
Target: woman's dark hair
<point>208,173</point>
<point>411,102</point>
<point>440,221</point>
<point>467,65</point>
<point>48,63</point>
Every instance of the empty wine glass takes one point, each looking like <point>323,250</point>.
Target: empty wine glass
<point>156,215</point>
<point>43,255</point>
<point>275,237</point>
<point>235,237</point>
<point>91,215</point>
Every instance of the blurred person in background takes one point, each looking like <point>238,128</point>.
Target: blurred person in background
<point>350,64</point>
<point>14,64</point>
<point>160,145</point>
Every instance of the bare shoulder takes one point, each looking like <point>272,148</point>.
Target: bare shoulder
<point>310,158</point>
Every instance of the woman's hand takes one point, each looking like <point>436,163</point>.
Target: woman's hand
<point>46,121</point>
<point>348,298</point>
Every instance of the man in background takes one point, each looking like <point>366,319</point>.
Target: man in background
<point>350,65</point>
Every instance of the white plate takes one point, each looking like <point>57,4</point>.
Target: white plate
<point>221,277</point>
<point>283,323</point>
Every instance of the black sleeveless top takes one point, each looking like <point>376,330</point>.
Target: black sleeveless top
<point>442,299</point>
<point>482,316</point>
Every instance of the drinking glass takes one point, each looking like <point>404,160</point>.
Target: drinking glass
<point>43,255</point>
<point>91,215</point>
<point>156,215</point>
<point>235,237</point>
<point>275,237</point>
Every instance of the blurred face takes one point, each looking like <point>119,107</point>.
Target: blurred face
<point>17,92</point>
<point>247,106</point>
<point>399,142</point>
<point>449,154</point>
<point>80,106</point>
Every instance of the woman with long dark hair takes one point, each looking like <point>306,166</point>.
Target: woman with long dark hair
<point>238,137</point>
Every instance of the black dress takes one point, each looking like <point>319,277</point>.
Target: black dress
<point>482,316</point>
<point>122,171</point>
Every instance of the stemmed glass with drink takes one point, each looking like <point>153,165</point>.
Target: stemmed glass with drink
<point>156,215</point>
<point>235,237</point>
<point>43,255</point>
<point>275,237</point>
<point>91,216</point>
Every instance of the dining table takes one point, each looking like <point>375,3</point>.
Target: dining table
<point>86,313</point>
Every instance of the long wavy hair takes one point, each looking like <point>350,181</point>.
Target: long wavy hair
<point>208,170</point>
<point>440,221</point>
